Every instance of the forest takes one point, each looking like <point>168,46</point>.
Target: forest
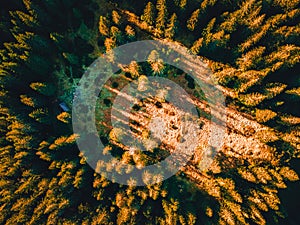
<point>251,47</point>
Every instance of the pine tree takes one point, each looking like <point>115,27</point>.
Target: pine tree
<point>130,32</point>
<point>171,27</point>
<point>115,17</point>
<point>196,46</point>
<point>149,13</point>
<point>103,26</point>
<point>161,16</point>
<point>181,3</point>
<point>192,22</point>
<point>115,33</point>
<point>64,117</point>
<point>43,88</point>
<point>40,115</point>
<point>155,62</point>
<point>252,59</point>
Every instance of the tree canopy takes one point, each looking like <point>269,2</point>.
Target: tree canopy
<point>253,50</point>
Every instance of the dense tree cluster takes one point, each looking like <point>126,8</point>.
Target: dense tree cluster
<point>251,46</point>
